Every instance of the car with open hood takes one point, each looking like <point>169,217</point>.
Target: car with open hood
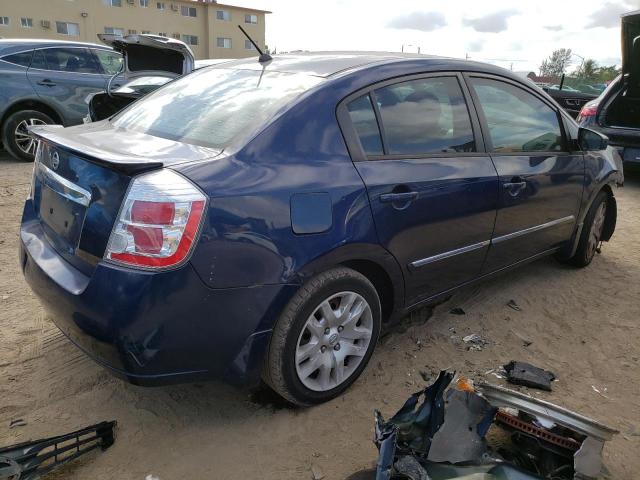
<point>149,61</point>
<point>616,112</point>
<point>268,219</point>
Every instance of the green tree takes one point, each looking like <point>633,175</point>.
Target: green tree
<point>608,73</point>
<point>589,70</point>
<point>556,64</point>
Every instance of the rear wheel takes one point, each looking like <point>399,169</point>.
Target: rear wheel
<point>324,338</point>
<point>591,234</point>
<point>15,135</point>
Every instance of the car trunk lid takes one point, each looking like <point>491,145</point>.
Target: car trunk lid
<point>146,55</point>
<point>631,45</point>
<point>81,176</point>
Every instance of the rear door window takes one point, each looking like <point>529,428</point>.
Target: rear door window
<point>23,58</point>
<point>425,116</point>
<point>78,60</point>
<point>364,121</point>
<point>110,62</point>
<point>518,121</point>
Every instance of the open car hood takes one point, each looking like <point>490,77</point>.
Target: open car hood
<point>148,55</point>
<point>631,44</point>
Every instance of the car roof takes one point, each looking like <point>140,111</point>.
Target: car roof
<point>328,64</point>
<point>8,46</point>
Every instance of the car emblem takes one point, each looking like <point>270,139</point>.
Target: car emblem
<point>55,160</point>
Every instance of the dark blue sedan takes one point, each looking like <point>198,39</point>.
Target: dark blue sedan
<point>254,221</point>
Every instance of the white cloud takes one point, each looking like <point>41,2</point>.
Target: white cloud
<point>424,21</point>
<point>520,40</point>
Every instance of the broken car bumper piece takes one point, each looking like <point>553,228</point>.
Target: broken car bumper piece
<point>456,433</point>
<point>30,460</point>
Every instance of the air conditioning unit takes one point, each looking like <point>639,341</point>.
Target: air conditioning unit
<point>174,7</point>
<point>45,23</point>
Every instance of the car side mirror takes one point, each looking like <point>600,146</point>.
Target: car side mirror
<point>591,140</point>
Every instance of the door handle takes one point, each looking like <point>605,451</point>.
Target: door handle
<point>47,83</point>
<point>515,186</point>
<point>398,197</point>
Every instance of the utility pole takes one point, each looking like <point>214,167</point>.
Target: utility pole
<point>466,56</point>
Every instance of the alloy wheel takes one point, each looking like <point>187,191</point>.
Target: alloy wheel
<point>24,141</point>
<point>596,229</point>
<point>333,341</point>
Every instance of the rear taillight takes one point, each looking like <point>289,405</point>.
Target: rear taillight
<point>589,110</point>
<point>158,222</point>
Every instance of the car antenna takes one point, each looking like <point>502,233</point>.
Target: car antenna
<point>264,58</point>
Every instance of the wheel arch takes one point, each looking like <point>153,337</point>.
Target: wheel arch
<point>372,261</point>
<point>31,104</point>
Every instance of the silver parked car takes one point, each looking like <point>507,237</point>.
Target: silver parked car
<point>47,81</point>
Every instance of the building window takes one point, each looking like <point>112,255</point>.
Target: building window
<point>132,32</point>
<point>112,3</point>
<point>4,21</point>
<point>66,28</point>
<point>190,39</point>
<point>26,22</point>
<point>146,32</point>
<point>144,3</point>
<point>188,11</point>
<point>162,34</point>
<point>114,31</point>
<point>160,5</point>
<point>223,42</point>
<point>223,15</point>
<point>248,45</point>
<point>250,18</point>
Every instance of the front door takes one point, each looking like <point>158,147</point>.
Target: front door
<point>65,76</point>
<point>541,180</point>
<point>432,191</point>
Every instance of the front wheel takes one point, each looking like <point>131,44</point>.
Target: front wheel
<point>15,133</point>
<point>324,338</point>
<point>591,234</point>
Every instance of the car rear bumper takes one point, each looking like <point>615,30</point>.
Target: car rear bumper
<point>153,328</point>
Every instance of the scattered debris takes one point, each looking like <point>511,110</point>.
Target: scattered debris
<point>512,304</point>
<point>18,422</point>
<point>316,472</point>
<point>525,341</point>
<point>599,392</point>
<point>30,460</point>
<point>489,433</point>
<point>475,341</point>
<point>457,311</point>
<point>521,373</point>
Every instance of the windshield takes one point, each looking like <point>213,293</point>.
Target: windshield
<point>213,107</point>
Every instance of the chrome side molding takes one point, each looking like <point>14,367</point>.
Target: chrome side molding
<point>452,253</point>
<point>486,243</point>
<point>537,228</point>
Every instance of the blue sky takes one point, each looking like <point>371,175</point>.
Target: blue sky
<point>511,34</point>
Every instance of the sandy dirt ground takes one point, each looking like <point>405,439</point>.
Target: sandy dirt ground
<point>583,325</point>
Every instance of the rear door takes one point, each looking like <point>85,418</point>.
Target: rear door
<point>64,76</point>
<point>432,190</point>
<point>541,180</point>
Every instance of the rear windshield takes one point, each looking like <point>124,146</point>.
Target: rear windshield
<point>213,107</point>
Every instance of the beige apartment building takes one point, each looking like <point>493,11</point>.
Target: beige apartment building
<point>210,28</point>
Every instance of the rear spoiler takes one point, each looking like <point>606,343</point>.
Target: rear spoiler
<point>124,164</point>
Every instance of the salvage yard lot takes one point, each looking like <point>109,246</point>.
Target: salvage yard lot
<point>583,325</point>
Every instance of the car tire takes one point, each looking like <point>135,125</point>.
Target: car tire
<point>591,232</point>
<point>332,322</point>
<point>14,131</point>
